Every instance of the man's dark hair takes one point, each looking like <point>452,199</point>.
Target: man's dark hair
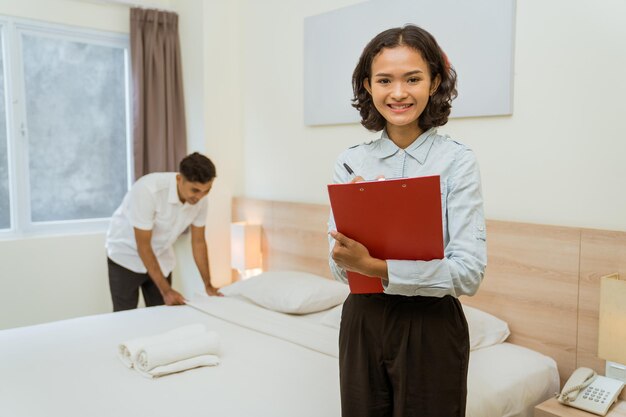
<point>197,168</point>
<point>438,108</point>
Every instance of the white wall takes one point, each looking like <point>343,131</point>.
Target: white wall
<point>560,159</point>
<point>82,13</point>
<point>223,97</point>
<point>210,43</point>
<point>56,277</point>
<point>52,278</point>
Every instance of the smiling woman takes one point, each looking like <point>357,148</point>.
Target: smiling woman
<point>489,44</point>
<point>401,87</point>
<point>404,85</point>
<point>409,70</point>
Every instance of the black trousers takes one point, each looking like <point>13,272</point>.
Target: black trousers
<point>403,356</point>
<point>124,285</point>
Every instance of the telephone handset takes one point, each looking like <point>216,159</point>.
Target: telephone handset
<point>590,392</point>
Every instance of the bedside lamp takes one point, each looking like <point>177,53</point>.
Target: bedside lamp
<point>245,248</point>
<point>612,328</point>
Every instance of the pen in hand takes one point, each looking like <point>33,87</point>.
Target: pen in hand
<point>359,178</point>
<point>355,178</point>
<point>347,167</point>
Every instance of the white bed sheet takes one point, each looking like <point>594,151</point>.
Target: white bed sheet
<point>69,368</point>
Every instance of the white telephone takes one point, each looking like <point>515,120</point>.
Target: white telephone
<point>590,392</point>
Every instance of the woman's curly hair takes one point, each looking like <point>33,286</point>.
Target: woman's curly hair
<point>438,108</point>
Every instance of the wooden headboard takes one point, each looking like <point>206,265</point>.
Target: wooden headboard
<point>543,280</point>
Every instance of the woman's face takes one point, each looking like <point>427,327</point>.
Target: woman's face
<point>400,87</point>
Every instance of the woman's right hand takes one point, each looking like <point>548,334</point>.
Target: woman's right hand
<point>359,178</point>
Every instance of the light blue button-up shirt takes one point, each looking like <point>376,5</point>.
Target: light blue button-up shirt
<point>465,254</point>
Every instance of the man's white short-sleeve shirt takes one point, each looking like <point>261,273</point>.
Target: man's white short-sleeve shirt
<point>152,204</point>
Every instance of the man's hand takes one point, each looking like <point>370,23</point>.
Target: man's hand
<point>173,297</point>
<point>212,291</point>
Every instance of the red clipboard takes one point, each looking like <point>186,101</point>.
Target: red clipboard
<point>396,219</point>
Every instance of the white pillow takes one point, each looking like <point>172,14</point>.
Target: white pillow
<point>484,329</point>
<point>291,292</point>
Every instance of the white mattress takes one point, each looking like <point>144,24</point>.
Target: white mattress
<point>288,368</point>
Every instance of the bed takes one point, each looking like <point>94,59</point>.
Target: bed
<point>70,368</point>
<point>271,364</point>
<point>284,364</point>
<point>543,280</point>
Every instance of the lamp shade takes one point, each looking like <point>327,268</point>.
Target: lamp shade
<point>612,329</point>
<point>245,246</point>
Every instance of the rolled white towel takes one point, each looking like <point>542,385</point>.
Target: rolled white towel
<point>171,351</point>
<point>127,351</point>
<point>185,364</point>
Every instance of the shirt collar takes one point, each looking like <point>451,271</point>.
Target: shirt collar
<point>173,192</point>
<point>419,149</point>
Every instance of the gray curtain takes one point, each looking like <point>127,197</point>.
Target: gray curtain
<point>159,131</point>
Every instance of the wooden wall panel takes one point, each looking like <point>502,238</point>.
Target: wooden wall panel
<point>299,238</point>
<point>543,280</point>
<point>294,234</point>
<point>531,282</point>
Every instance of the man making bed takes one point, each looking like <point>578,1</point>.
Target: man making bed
<point>158,208</point>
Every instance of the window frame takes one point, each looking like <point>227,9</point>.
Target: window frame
<point>12,30</point>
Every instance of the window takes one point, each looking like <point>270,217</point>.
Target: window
<point>65,164</point>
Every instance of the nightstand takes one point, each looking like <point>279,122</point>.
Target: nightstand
<point>552,408</point>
